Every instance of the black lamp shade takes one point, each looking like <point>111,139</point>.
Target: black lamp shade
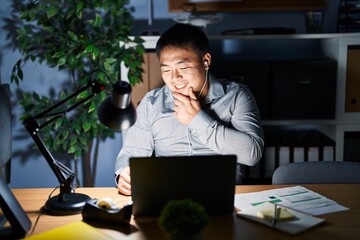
<point>117,111</point>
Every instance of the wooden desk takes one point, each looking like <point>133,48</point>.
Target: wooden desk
<point>340,225</point>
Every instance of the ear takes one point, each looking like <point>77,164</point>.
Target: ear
<point>206,65</point>
<point>207,61</point>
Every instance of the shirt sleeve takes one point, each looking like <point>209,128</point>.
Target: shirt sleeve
<point>138,140</point>
<point>242,137</point>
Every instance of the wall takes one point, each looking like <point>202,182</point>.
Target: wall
<point>33,171</point>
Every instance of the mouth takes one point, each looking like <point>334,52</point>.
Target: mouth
<point>181,86</point>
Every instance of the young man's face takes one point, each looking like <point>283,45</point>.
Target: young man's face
<point>181,69</point>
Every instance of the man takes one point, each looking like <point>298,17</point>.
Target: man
<point>194,113</point>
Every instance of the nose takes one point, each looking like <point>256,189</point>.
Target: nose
<point>175,76</point>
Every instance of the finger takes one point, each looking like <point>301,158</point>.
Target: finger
<point>125,178</point>
<point>179,97</point>
<point>124,190</point>
<point>176,110</point>
<point>176,102</point>
<point>124,187</point>
<point>125,175</point>
<point>192,94</point>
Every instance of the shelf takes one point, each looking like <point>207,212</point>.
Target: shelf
<point>314,36</point>
<point>248,5</point>
<point>150,41</point>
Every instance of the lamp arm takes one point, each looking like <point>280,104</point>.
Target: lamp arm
<point>64,175</point>
<point>96,88</point>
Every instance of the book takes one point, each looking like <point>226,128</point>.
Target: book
<point>76,230</point>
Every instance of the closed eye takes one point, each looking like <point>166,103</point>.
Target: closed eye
<point>184,68</point>
<point>165,69</point>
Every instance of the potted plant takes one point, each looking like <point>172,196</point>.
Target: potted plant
<point>79,37</point>
<point>183,219</point>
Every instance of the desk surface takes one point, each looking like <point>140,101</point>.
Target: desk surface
<point>339,225</point>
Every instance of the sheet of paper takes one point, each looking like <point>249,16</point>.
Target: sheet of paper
<point>297,197</point>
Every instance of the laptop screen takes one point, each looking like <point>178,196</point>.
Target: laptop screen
<point>208,180</point>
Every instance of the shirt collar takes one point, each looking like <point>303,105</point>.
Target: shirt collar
<point>215,91</point>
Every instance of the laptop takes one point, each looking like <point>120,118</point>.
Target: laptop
<point>208,180</point>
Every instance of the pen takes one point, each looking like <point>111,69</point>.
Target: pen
<point>276,213</point>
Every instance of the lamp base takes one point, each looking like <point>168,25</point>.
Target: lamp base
<point>70,204</point>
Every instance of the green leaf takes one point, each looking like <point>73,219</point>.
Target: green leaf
<point>72,36</point>
<point>73,141</point>
<point>72,60</point>
<point>79,7</point>
<point>86,126</point>
<point>62,94</point>
<point>70,13</point>
<point>20,74</point>
<point>58,141</point>
<point>92,107</point>
<point>77,128</point>
<point>36,96</point>
<point>22,118</point>
<point>58,123</point>
<point>77,154</point>
<point>59,54</point>
<point>49,29</point>
<point>62,61</point>
<point>83,95</point>
<point>89,49</point>
<point>83,140</point>
<point>52,11</point>
<point>72,149</point>
<point>110,60</point>
<point>107,66</point>
<point>101,76</point>
<point>23,15</point>
<point>95,53</point>
<point>65,134</point>
<point>98,20</point>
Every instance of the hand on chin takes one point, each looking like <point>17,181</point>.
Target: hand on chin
<point>184,90</point>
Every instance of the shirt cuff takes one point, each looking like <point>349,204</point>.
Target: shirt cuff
<point>117,175</point>
<point>116,179</point>
<point>200,123</point>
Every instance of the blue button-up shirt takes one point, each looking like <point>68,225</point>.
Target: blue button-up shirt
<point>228,123</point>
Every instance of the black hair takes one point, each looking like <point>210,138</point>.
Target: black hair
<point>184,36</point>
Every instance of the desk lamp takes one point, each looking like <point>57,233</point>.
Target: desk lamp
<point>116,112</point>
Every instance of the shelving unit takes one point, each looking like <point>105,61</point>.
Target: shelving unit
<point>348,16</point>
<point>334,46</point>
